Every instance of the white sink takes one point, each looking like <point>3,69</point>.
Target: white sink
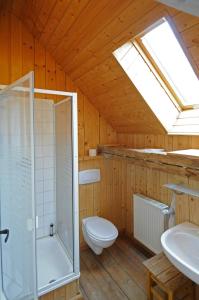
<point>181,246</point>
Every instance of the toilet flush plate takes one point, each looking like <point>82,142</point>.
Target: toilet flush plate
<point>89,176</point>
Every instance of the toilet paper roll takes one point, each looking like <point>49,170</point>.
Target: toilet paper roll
<point>92,152</point>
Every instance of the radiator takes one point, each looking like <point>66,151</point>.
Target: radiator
<point>150,219</point>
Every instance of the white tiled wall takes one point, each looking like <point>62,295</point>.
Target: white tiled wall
<point>45,165</point>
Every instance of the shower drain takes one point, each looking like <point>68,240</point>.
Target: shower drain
<point>52,280</point>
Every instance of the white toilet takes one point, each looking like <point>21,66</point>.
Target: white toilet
<point>99,233</point>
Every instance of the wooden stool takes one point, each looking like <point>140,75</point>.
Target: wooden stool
<point>166,282</point>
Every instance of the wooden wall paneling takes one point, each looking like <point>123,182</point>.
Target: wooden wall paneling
<point>91,116</point>
<point>50,74</point>
<point>149,182</point>
<point>149,140</point>
<point>106,178</point>
<point>107,134</point>
<point>40,66</point>
<point>181,142</point>
<point>65,292</point>
<point>60,82</point>
<point>16,49</point>
<point>167,142</point>
<point>130,190</point>
<point>112,199</point>
<point>4,48</point>
<point>81,124</point>
<point>90,195</point>
<point>123,178</point>
<point>27,51</point>
<point>182,201</point>
<point>116,194</point>
<point>164,194</point>
<point>194,142</point>
<point>140,180</point>
<point>194,203</point>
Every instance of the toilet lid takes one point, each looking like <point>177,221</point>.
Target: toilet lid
<point>101,228</point>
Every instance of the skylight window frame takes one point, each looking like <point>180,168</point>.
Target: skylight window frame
<point>137,42</point>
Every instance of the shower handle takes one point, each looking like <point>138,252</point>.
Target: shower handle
<point>5,231</point>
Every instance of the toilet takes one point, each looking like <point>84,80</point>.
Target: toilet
<point>98,233</point>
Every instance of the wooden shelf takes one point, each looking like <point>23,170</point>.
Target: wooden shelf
<point>86,158</point>
<point>183,163</point>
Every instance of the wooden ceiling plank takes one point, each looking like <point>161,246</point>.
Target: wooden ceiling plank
<point>85,61</point>
<point>195,53</point>
<point>85,18</point>
<point>53,20</point>
<point>27,14</point>
<point>107,71</point>
<point>184,21</point>
<point>6,5</point>
<point>191,36</point>
<point>71,14</point>
<point>128,17</point>
<point>99,23</point>
<point>43,15</point>
<point>17,7</point>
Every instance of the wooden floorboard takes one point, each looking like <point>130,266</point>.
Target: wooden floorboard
<point>118,273</point>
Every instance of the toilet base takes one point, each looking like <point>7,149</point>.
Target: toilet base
<point>96,249</point>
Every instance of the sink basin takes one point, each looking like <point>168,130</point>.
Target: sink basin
<point>181,246</point>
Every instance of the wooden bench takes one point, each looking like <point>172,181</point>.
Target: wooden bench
<point>166,282</point>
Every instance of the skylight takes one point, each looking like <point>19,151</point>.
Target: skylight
<point>157,65</point>
<point>166,51</point>
<point>146,83</point>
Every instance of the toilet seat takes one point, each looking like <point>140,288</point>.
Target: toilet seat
<point>100,229</point>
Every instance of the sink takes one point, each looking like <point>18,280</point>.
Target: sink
<point>181,246</point>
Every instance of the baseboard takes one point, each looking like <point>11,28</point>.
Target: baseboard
<point>143,249</point>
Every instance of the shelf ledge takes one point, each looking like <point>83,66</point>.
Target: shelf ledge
<point>181,189</point>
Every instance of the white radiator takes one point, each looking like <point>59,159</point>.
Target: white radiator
<point>150,221</point>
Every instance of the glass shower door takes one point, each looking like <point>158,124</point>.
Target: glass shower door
<point>17,211</point>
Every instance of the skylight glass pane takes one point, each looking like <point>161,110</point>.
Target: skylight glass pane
<point>146,83</point>
<point>165,49</point>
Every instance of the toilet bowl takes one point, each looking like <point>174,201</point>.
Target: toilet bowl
<point>98,233</point>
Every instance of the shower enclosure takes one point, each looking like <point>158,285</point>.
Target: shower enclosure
<point>39,230</point>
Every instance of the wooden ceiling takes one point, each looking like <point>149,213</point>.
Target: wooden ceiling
<point>82,34</point>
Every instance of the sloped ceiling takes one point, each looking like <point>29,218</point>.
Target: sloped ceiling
<point>82,34</point>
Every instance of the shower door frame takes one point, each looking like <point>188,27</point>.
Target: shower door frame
<point>3,88</point>
<point>76,260</point>
<point>75,188</point>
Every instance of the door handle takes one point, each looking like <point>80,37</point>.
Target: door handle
<point>6,232</point>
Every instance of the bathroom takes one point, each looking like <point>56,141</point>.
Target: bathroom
<point>110,111</point>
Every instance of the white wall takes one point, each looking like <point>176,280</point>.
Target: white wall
<point>45,165</point>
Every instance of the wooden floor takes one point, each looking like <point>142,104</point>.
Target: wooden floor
<point>118,273</point>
